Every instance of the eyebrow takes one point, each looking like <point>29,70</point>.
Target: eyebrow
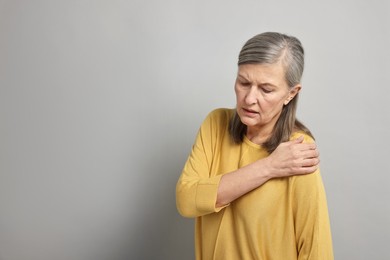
<point>262,84</point>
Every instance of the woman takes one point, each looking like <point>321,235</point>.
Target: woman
<point>246,180</point>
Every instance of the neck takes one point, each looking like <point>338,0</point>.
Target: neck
<point>258,135</point>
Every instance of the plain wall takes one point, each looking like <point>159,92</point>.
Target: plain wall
<point>100,102</point>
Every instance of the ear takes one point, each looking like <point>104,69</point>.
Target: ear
<point>292,93</point>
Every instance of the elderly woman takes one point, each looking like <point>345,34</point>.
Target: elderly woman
<point>247,178</point>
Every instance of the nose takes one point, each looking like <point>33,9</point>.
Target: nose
<point>251,96</point>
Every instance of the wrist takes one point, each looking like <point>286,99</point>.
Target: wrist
<point>264,166</point>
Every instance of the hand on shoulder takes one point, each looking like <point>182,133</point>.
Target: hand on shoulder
<point>297,156</point>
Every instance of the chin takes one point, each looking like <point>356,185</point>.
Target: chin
<point>249,122</point>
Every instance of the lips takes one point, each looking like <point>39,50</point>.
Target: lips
<point>250,111</point>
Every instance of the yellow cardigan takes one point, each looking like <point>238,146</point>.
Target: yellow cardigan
<point>284,219</point>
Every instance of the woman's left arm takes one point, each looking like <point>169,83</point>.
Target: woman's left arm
<point>312,226</point>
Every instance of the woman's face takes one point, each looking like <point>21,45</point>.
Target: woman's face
<point>261,92</point>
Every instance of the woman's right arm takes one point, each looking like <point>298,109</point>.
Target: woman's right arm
<point>290,158</point>
<point>199,194</point>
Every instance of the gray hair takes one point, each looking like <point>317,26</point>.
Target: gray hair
<point>271,47</point>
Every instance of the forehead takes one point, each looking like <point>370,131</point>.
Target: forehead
<point>263,73</point>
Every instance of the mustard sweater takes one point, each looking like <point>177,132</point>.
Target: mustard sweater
<point>284,219</point>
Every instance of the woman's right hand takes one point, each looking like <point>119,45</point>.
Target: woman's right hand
<point>289,158</point>
<point>293,158</point>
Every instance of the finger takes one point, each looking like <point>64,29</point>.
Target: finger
<point>304,170</point>
<point>310,162</point>
<point>307,170</point>
<point>308,154</point>
<point>298,140</point>
<point>306,146</point>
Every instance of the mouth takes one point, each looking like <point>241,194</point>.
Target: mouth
<point>250,111</point>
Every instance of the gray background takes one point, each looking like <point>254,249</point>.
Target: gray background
<point>100,102</point>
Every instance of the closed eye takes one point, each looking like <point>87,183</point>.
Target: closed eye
<point>265,90</point>
<point>245,84</point>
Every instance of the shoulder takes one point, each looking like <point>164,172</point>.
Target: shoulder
<point>215,127</point>
<point>219,116</point>
<point>217,122</point>
<point>310,181</point>
<point>306,137</point>
<point>221,113</point>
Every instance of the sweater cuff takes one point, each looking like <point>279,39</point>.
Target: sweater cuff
<point>206,195</point>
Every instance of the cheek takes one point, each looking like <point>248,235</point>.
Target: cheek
<point>239,95</point>
<point>273,106</point>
